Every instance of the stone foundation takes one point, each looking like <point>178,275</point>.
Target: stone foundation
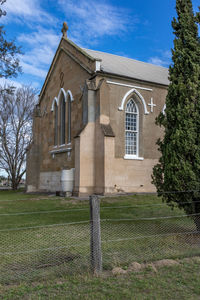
<point>50,181</point>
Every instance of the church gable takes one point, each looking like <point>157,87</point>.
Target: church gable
<point>55,130</point>
<point>76,54</point>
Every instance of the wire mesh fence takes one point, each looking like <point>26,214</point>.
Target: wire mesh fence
<point>35,252</point>
<point>147,240</point>
<point>141,233</point>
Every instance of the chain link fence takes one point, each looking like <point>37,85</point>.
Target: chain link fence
<point>49,251</point>
<point>145,240</point>
<point>41,251</point>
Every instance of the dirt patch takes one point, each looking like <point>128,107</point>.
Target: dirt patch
<point>118,271</point>
<point>135,267</point>
<point>165,262</point>
<point>196,259</point>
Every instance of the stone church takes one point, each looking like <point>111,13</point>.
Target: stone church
<point>95,119</point>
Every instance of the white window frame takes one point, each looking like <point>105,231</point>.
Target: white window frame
<point>133,156</point>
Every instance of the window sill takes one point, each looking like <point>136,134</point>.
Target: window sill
<point>134,157</point>
<point>60,146</point>
<point>60,149</point>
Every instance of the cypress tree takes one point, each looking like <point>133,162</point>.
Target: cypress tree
<point>177,174</point>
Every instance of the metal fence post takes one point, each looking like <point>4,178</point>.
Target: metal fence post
<point>95,239</point>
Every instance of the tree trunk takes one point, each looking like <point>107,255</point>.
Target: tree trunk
<point>14,184</point>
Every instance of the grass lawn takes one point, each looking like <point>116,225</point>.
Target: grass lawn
<point>36,241</point>
<point>19,202</point>
<point>175,282</point>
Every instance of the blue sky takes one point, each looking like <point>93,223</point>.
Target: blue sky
<point>136,29</point>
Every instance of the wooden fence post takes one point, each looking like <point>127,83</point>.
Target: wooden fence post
<point>95,239</point>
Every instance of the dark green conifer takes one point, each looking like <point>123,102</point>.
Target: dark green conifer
<point>178,169</point>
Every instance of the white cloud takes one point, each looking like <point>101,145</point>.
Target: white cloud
<point>33,70</point>
<point>92,19</point>
<point>37,61</point>
<point>167,54</point>
<point>163,60</point>
<point>89,20</point>
<point>21,10</point>
<point>40,37</point>
<point>39,56</point>
<point>21,7</point>
<point>41,46</point>
<point>157,61</point>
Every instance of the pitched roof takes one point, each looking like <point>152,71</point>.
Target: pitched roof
<point>132,68</point>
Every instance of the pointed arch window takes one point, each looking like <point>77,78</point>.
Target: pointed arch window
<point>69,120</point>
<point>55,124</point>
<point>61,107</point>
<point>62,120</point>
<point>131,129</point>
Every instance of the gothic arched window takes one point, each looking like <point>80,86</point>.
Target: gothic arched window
<point>62,120</point>
<point>55,124</point>
<point>131,128</point>
<point>61,106</point>
<point>69,120</point>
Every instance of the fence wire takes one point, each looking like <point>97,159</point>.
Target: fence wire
<point>143,240</point>
<point>35,252</point>
<point>45,251</point>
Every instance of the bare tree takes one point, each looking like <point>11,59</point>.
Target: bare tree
<point>16,112</point>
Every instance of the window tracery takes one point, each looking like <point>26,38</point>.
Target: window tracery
<point>131,128</point>
<point>61,106</point>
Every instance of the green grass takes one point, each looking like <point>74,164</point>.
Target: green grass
<point>175,282</point>
<point>42,249</point>
<point>16,202</point>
